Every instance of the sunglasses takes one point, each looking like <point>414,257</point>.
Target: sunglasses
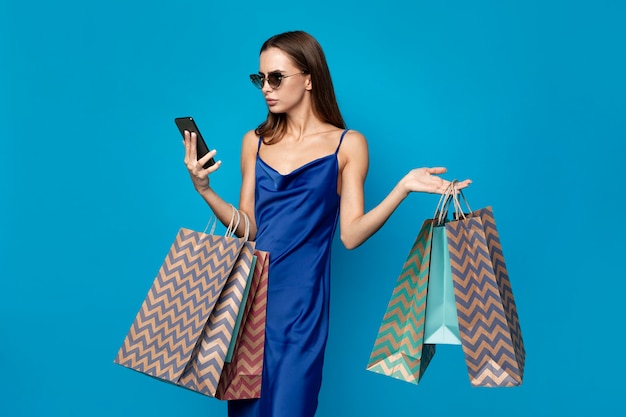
<point>273,79</point>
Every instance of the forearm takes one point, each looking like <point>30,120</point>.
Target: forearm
<point>357,227</point>
<point>357,231</point>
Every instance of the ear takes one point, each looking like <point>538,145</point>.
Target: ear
<point>308,84</point>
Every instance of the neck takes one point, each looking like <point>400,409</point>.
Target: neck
<point>304,125</point>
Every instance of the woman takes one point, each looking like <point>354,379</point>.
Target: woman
<point>302,171</point>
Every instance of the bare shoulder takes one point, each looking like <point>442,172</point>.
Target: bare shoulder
<point>250,137</point>
<point>250,142</point>
<point>354,144</point>
<point>353,152</point>
<point>354,138</point>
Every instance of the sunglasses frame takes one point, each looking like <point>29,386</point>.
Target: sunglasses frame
<point>259,80</point>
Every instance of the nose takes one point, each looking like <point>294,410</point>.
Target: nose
<point>266,86</point>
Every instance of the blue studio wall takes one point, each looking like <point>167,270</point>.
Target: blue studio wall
<point>527,98</point>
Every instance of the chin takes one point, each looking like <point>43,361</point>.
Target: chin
<point>275,110</point>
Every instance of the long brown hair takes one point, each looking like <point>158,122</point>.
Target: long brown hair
<point>308,56</point>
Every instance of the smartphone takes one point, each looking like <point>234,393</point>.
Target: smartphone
<point>187,123</point>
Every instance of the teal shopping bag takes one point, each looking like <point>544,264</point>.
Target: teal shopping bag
<point>441,322</point>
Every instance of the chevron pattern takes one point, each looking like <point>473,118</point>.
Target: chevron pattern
<point>241,378</point>
<point>488,323</point>
<point>166,329</point>
<point>205,367</point>
<point>504,284</point>
<point>399,350</point>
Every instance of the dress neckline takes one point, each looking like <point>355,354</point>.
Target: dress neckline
<point>298,169</point>
<point>306,165</point>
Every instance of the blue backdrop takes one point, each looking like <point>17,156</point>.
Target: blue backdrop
<point>527,98</point>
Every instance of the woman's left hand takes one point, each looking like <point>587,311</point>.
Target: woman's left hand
<point>426,180</point>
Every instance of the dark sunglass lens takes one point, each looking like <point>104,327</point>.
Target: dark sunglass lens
<point>257,80</point>
<point>274,79</point>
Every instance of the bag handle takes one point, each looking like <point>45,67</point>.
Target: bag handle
<point>441,212</point>
<point>458,210</point>
<point>213,223</point>
<point>247,232</point>
<point>233,226</point>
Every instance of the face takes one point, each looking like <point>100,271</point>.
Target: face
<point>294,86</point>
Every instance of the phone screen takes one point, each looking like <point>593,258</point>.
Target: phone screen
<point>187,123</point>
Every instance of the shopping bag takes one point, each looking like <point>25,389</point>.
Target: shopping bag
<point>488,322</point>
<point>195,297</point>
<point>242,308</point>
<point>399,350</point>
<point>204,370</point>
<point>241,377</point>
<point>441,324</point>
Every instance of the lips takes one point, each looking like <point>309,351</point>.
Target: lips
<point>271,101</point>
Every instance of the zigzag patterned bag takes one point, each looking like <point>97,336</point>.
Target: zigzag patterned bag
<point>490,330</point>
<point>399,350</point>
<point>241,377</point>
<point>185,325</point>
<point>487,316</point>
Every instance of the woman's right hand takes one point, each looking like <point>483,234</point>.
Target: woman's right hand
<point>199,175</point>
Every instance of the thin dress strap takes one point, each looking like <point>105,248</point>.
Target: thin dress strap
<point>336,150</point>
<point>341,139</point>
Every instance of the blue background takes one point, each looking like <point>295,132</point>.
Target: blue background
<point>527,98</point>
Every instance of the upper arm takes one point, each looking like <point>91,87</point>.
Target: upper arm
<point>355,157</point>
<point>249,149</point>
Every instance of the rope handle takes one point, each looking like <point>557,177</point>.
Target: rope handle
<point>441,212</point>
<point>233,226</point>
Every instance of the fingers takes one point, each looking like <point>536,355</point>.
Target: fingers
<point>442,170</point>
<point>443,187</point>
<point>202,161</point>
<point>189,140</point>
<point>436,170</point>
<point>463,184</point>
<point>197,167</point>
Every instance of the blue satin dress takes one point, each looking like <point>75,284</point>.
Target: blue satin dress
<point>296,215</point>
